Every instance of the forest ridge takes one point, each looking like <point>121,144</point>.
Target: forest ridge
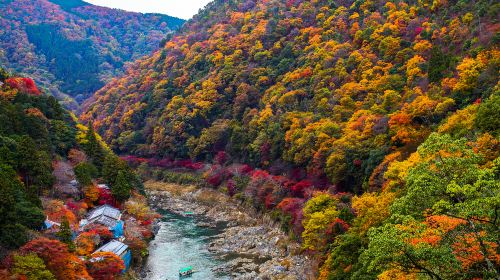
<point>72,48</point>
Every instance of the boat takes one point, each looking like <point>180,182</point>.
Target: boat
<point>186,271</point>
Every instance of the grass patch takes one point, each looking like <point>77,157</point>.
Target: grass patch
<point>175,189</point>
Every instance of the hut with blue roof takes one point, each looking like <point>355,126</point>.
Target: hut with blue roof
<point>118,248</point>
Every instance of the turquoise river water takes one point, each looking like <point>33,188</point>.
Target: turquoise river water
<point>180,242</point>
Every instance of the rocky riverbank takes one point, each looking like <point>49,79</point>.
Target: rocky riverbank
<point>252,247</point>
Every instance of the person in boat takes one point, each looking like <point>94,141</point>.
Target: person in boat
<point>186,271</point>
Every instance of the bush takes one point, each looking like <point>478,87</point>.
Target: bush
<point>488,115</point>
<point>183,178</point>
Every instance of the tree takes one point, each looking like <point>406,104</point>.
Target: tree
<point>438,64</point>
<point>76,156</point>
<point>34,165</point>
<point>105,266</point>
<point>65,234</point>
<point>93,148</point>
<point>488,115</point>
<point>112,165</point>
<point>91,193</point>
<point>319,212</point>
<point>450,202</point>
<point>58,259</point>
<point>85,172</point>
<point>371,210</point>
<point>32,267</point>
<point>86,243</point>
<point>397,247</point>
<point>17,214</point>
<point>122,187</point>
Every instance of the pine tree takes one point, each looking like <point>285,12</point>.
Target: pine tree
<point>65,234</point>
<point>93,148</point>
<point>122,186</point>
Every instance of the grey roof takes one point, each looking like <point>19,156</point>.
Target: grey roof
<point>104,210</point>
<point>105,215</point>
<point>113,246</point>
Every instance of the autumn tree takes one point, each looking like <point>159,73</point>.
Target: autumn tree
<point>319,212</point>
<point>58,259</point>
<point>105,266</point>
<point>31,267</point>
<point>447,181</point>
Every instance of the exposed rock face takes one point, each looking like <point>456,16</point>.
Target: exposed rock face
<point>252,247</point>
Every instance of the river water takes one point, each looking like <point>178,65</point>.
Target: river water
<point>180,242</point>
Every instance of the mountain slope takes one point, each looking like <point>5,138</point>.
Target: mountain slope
<point>376,123</point>
<point>72,47</point>
<point>333,86</point>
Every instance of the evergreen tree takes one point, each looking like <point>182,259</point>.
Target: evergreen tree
<point>85,172</point>
<point>17,214</point>
<point>122,186</point>
<point>93,148</point>
<point>65,234</point>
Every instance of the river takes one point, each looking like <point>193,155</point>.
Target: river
<point>221,240</point>
<point>180,242</point>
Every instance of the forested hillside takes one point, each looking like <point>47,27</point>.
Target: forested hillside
<point>392,107</point>
<point>73,48</point>
<point>42,149</point>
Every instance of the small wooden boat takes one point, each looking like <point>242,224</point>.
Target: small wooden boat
<point>186,271</point>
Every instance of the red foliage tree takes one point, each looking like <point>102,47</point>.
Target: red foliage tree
<point>105,266</point>
<point>24,85</point>
<point>58,259</point>
<point>299,188</point>
<point>105,197</point>
<point>221,157</point>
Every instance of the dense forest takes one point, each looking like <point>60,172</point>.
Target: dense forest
<point>369,129</point>
<point>41,146</point>
<point>73,48</point>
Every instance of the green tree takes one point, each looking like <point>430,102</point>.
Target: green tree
<point>93,148</point>
<point>122,186</point>
<point>34,165</point>
<point>32,267</point>
<point>319,212</point>
<point>3,74</point>
<point>389,248</point>
<point>111,166</point>
<point>65,234</point>
<point>488,115</point>
<point>449,181</point>
<point>17,214</point>
<point>63,137</point>
<point>438,64</point>
<point>85,172</point>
